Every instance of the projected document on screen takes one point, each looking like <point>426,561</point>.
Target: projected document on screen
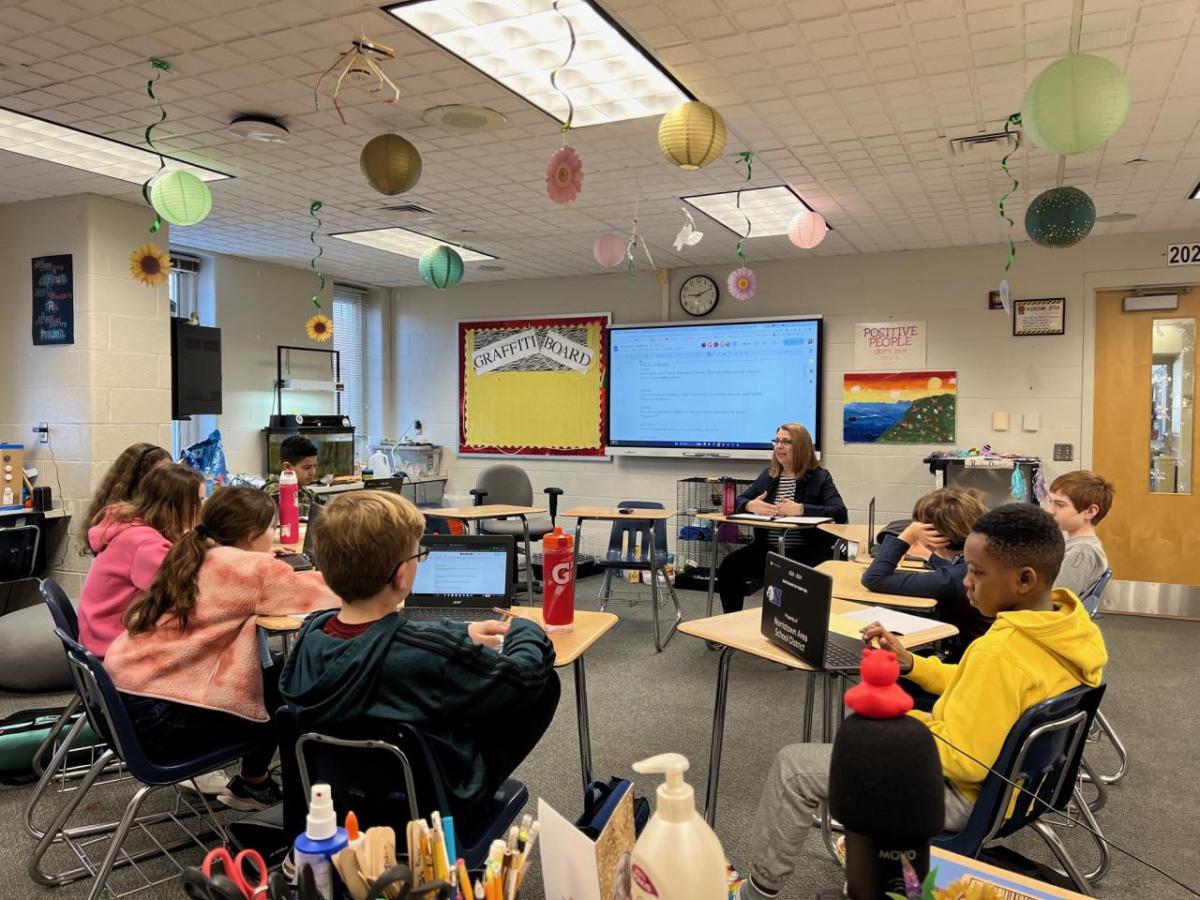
<point>462,573</point>
<point>720,386</point>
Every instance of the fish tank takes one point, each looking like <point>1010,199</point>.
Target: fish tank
<point>335,448</point>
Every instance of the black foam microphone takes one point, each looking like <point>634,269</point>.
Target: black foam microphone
<point>885,784</point>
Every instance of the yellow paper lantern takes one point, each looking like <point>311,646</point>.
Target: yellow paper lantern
<point>692,135</point>
<point>390,163</point>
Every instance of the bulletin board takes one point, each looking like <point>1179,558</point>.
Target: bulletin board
<point>533,386</point>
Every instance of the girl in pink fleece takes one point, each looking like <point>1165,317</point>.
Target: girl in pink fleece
<point>130,543</point>
<point>189,667</point>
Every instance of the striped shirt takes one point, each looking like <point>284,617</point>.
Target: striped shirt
<point>787,491</point>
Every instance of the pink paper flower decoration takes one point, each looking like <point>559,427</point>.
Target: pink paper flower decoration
<point>742,283</point>
<point>564,175</point>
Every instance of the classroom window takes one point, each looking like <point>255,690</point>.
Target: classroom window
<point>348,339</point>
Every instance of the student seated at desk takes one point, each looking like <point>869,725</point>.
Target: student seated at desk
<point>793,485</point>
<point>121,483</point>
<point>297,454</point>
<point>131,541</point>
<point>189,667</point>
<point>942,519</point>
<point>1078,501</point>
<point>1042,644</point>
<point>482,693</point>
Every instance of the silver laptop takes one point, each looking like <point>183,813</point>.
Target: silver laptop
<point>466,576</point>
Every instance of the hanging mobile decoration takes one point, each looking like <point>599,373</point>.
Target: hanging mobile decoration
<point>635,241</point>
<point>742,282</point>
<point>358,64</point>
<point>319,327</point>
<point>564,172</point>
<point>747,158</point>
<point>688,235</point>
<point>159,66</point>
<point>1010,128</point>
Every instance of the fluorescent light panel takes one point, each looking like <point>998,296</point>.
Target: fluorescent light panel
<point>769,209</point>
<point>403,242</point>
<point>519,43</point>
<point>37,138</point>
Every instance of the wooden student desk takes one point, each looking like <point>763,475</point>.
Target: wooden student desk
<point>569,648</point>
<point>472,515</point>
<point>742,631</point>
<point>582,514</point>
<point>847,585</point>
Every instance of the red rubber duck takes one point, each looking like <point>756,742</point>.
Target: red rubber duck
<point>878,696</point>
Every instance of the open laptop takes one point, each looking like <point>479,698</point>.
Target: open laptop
<point>306,559</point>
<point>795,616</point>
<point>465,577</point>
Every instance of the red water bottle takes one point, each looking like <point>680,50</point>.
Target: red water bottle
<point>289,508</point>
<point>558,580</point>
<point>727,534</point>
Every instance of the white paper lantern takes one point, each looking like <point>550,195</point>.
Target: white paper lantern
<point>807,229</point>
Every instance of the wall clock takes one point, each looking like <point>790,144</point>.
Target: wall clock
<point>698,295</point>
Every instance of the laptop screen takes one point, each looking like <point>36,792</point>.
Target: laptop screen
<point>465,570</point>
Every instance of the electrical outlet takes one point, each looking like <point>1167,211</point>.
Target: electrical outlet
<point>42,430</point>
<point>1064,452</point>
<point>417,427</point>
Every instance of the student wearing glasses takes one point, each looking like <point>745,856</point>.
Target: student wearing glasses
<point>482,693</point>
<point>793,485</point>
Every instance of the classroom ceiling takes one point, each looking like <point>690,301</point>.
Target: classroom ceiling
<point>851,102</point>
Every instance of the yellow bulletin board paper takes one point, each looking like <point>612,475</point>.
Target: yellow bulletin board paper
<point>533,386</point>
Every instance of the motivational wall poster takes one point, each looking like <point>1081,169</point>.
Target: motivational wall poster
<point>533,387</point>
<point>889,345</point>
<point>899,407</point>
<point>53,300</point>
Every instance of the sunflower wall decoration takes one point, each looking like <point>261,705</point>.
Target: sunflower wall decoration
<point>319,328</point>
<point>150,265</point>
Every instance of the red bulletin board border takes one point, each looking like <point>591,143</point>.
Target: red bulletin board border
<point>601,319</point>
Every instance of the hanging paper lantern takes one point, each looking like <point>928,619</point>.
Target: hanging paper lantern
<point>691,135</point>
<point>1075,104</point>
<point>807,229</point>
<point>609,250</point>
<point>441,267</point>
<point>390,163</point>
<point>1060,217</point>
<point>564,175</point>
<point>742,283</point>
<point>180,197</point>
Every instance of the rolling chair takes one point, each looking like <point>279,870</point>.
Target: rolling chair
<point>510,485</point>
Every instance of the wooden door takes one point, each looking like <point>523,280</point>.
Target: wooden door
<point>1150,534</point>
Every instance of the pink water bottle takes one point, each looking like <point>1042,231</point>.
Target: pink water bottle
<point>289,508</point>
<point>558,579</point>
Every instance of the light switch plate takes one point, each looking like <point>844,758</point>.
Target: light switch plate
<point>1064,452</point>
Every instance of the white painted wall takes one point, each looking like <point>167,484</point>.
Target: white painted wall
<point>946,288</point>
<point>111,388</point>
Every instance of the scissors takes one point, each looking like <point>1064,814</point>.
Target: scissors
<point>235,872</point>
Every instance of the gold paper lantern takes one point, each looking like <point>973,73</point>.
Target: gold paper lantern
<point>390,164</point>
<point>692,135</point>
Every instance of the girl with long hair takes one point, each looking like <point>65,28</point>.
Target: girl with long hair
<point>130,541</point>
<point>188,665</point>
<point>121,483</point>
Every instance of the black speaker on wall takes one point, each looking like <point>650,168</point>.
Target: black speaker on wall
<point>195,369</point>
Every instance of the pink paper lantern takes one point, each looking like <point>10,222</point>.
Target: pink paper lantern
<point>807,229</point>
<point>609,250</point>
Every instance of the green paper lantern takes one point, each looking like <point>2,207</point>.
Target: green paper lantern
<point>180,198</point>
<point>1060,217</point>
<point>1075,104</point>
<point>441,267</point>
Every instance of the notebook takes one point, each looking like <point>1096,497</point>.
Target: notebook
<point>795,616</point>
<point>465,577</point>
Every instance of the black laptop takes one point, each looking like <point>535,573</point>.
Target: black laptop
<point>306,559</point>
<point>872,545</point>
<point>795,616</point>
<point>466,576</point>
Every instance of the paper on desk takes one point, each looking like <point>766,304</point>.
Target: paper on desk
<point>782,520</point>
<point>893,620</point>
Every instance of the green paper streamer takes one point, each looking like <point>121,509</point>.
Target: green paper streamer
<point>748,158</point>
<point>313,209</point>
<point>1013,121</point>
<point>160,66</point>
<point>566,126</point>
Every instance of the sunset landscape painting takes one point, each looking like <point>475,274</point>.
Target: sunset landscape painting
<point>899,407</point>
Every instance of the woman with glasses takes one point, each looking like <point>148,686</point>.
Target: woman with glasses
<point>794,484</point>
<point>188,665</point>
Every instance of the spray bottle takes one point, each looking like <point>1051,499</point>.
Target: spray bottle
<point>320,841</point>
<point>678,857</point>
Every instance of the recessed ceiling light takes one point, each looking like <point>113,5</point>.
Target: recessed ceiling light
<point>403,242</point>
<point>769,209</point>
<point>1116,217</point>
<point>463,118</point>
<point>260,129</point>
<point>610,77</point>
<point>40,139</point>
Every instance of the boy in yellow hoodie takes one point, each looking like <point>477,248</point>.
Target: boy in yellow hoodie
<point>1042,644</point>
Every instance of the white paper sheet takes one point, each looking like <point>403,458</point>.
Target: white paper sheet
<point>892,619</point>
<point>783,520</point>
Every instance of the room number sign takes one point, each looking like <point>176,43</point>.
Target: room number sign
<point>1183,254</point>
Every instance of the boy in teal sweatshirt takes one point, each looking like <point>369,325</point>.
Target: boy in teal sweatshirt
<point>482,693</point>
